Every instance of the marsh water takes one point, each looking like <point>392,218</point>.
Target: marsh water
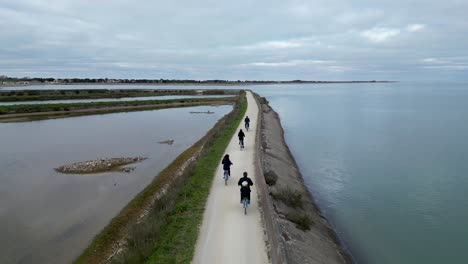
<point>117,87</point>
<point>125,99</point>
<point>47,217</point>
<point>387,163</point>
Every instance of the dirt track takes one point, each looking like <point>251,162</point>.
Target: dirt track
<point>227,235</point>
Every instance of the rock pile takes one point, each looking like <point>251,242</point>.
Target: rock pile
<point>100,165</point>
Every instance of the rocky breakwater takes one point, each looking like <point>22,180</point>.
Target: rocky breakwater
<point>100,165</point>
<point>297,230</point>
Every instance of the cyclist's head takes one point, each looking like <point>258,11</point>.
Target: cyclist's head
<point>245,174</point>
<point>226,156</point>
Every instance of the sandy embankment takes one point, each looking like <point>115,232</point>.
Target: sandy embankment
<point>288,244</point>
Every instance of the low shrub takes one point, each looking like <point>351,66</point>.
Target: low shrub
<point>289,197</point>
<point>301,219</point>
<point>270,178</point>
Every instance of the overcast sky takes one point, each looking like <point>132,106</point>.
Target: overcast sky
<point>254,39</point>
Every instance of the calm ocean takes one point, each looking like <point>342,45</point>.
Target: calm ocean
<point>387,164</point>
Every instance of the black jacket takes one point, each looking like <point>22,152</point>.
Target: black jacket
<point>247,120</point>
<point>246,188</point>
<point>226,164</point>
<point>241,135</point>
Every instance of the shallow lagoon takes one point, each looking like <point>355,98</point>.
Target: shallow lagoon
<point>47,217</point>
<point>125,99</point>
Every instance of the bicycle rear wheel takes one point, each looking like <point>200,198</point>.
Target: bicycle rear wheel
<point>246,203</point>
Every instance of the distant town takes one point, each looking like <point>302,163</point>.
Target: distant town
<point>13,81</point>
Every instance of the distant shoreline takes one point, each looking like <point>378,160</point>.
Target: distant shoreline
<point>22,83</point>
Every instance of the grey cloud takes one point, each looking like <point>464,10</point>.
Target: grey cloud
<point>234,40</point>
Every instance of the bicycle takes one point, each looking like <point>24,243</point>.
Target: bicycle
<point>226,176</point>
<point>241,143</point>
<point>245,204</point>
<point>247,126</point>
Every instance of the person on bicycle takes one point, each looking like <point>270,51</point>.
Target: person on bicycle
<point>227,164</point>
<point>245,190</point>
<point>241,136</point>
<point>247,122</point>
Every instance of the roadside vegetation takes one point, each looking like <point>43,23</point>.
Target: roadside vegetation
<point>173,204</point>
<point>40,95</point>
<point>301,219</point>
<point>289,197</point>
<point>35,108</point>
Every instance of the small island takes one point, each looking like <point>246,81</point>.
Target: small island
<point>100,165</point>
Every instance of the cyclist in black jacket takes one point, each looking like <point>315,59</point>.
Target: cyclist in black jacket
<point>241,136</point>
<point>227,164</point>
<point>247,122</point>
<point>245,190</point>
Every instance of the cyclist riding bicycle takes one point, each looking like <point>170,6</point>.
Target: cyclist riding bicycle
<point>245,188</point>
<point>227,164</point>
<point>247,122</point>
<point>241,136</point>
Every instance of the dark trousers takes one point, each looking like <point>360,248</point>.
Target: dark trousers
<point>245,195</point>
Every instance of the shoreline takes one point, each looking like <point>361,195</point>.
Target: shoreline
<point>290,244</point>
<point>246,83</point>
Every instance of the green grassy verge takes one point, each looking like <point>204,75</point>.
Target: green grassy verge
<point>34,108</point>
<point>36,95</point>
<point>172,222</point>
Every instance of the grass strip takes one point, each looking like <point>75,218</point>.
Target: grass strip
<point>142,237</point>
<point>34,108</point>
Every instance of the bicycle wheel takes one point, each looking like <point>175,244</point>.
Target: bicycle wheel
<point>226,176</point>
<point>246,203</point>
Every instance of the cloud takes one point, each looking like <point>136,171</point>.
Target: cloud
<point>415,27</point>
<point>435,60</point>
<point>275,45</point>
<point>263,39</point>
<point>460,67</point>
<point>290,63</point>
<point>456,63</point>
<point>379,34</point>
<point>363,16</point>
